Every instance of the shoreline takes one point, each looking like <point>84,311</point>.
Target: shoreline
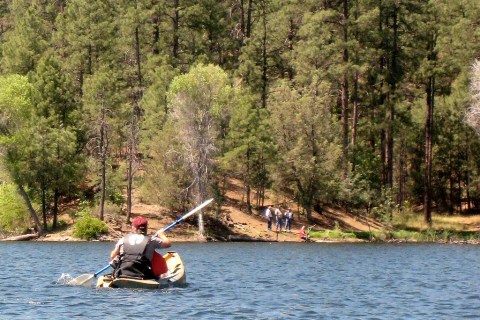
<point>48,238</point>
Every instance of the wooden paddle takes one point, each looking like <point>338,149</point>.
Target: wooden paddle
<point>87,279</point>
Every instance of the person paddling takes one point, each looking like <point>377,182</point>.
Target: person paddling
<point>133,254</point>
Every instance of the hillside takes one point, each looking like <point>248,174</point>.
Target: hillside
<point>234,217</point>
<point>236,222</point>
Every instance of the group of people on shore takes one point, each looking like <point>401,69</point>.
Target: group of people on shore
<point>283,219</point>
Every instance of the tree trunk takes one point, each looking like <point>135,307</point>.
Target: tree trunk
<point>264,59</point>
<point>249,18</point>
<point>129,189</point>
<point>354,119</point>
<point>242,23</point>
<point>247,183</point>
<point>345,93</point>
<point>24,237</point>
<point>176,31</point>
<point>428,149</point>
<point>30,208</point>
<point>103,162</point>
<point>355,95</point>
<point>291,35</point>
<point>44,207</point>
<point>383,156</point>
<point>402,174</point>
<point>137,54</point>
<point>132,144</point>
<point>393,73</point>
<point>460,209</point>
<point>56,196</point>
<point>202,181</point>
<point>389,146</point>
<point>201,223</point>
<point>156,36</point>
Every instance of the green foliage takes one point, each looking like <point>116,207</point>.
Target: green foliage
<point>307,142</point>
<point>355,193</point>
<point>249,144</point>
<point>167,179</point>
<point>88,227</point>
<point>24,44</point>
<point>15,102</point>
<point>14,216</point>
<point>335,234</point>
<point>299,65</point>
<point>84,209</point>
<point>384,207</point>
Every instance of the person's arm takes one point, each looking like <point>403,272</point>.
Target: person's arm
<point>166,243</point>
<point>116,251</point>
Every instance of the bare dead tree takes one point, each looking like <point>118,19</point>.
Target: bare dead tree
<point>472,116</point>
<point>197,110</point>
<point>197,131</point>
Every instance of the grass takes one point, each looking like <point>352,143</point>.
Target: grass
<point>410,227</point>
<point>415,221</point>
<point>332,234</point>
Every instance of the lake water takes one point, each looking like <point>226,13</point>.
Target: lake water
<point>251,281</point>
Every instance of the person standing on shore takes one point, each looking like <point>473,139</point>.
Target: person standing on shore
<point>278,219</point>
<point>288,220</point>
<point>269,216</point>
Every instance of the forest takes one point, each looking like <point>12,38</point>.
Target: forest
<point>359,104</point>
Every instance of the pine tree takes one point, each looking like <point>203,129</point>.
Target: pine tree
<point>249,146</point>
<point>27,40</point>
<point>86,38</point>
<point>102,107</point>
<point>58,161</point>
<point>308,146</point>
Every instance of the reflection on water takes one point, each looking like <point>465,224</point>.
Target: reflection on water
<point>251,281</point>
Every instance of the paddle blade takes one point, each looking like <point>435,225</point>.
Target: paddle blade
<point>85,280</point>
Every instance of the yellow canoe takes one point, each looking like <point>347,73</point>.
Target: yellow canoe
<point>176,276</point>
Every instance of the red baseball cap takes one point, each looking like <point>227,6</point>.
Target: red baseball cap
<point>140,223</point>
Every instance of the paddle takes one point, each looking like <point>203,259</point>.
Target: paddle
<point>87,279</point>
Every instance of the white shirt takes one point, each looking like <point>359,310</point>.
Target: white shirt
<point>268,213</point>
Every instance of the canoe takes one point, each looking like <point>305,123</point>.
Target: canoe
<point>176,276</point>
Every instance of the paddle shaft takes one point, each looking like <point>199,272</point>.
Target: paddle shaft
<point>101,270</point>
<point>170,226</point>
<point>188,214</point>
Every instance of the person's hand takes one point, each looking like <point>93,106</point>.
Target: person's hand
<point>165,241</point>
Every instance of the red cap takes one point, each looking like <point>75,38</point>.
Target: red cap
<point>140,223</point>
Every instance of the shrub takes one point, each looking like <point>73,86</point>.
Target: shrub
<point>88,227</point>
<point>14,215</point>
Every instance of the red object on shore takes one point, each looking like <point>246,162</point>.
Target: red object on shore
<point>301,233</point>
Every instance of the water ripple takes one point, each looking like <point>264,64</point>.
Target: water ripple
<point>252,281</point>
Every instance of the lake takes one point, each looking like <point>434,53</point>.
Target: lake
<point>251,281</point>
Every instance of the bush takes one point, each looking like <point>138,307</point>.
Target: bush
<point>88,227</point>
<point>14,215</point>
